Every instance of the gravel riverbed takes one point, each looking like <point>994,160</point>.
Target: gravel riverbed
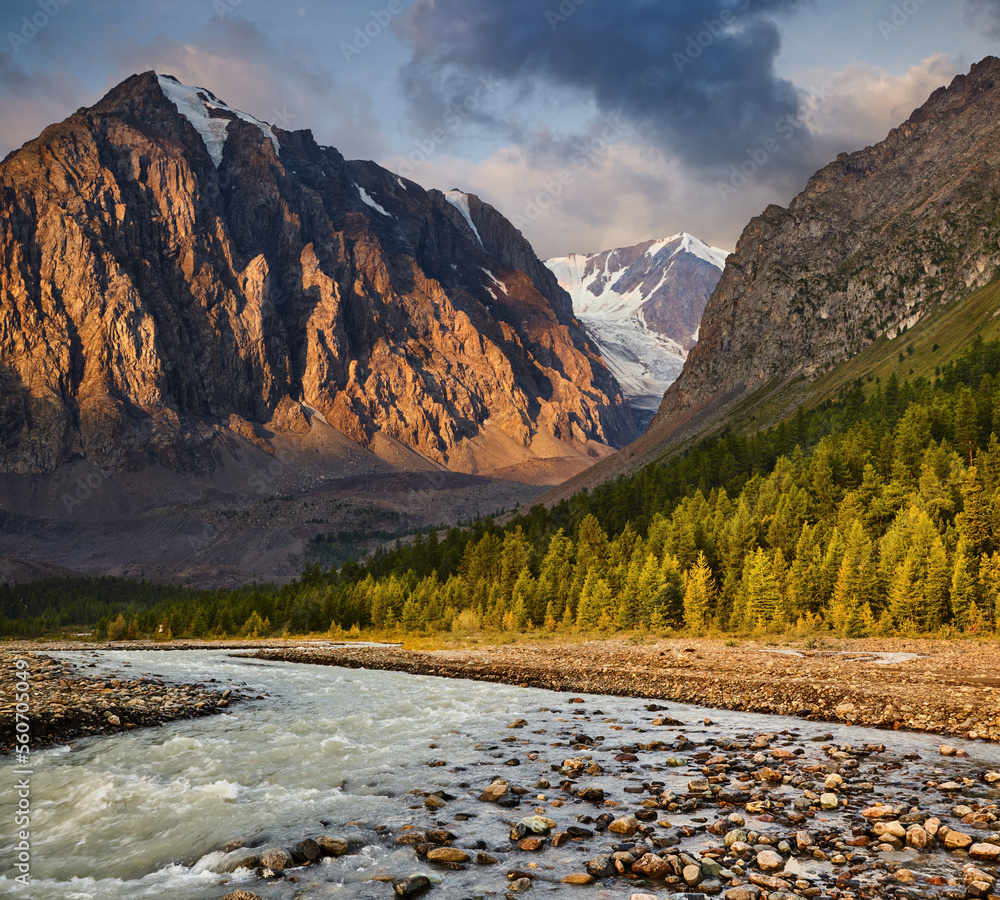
<point>932,686</point>
<point>64,703</point>
<point>660,801</point>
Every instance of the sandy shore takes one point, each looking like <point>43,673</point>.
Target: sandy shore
<point>947,688</point>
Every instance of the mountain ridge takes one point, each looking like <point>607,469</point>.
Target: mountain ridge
<point>175,270</point>
<point>875,240</point>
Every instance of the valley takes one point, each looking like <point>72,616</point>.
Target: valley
<point>355,543</point>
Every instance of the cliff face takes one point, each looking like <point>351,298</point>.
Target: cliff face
<point>173,270</point>
<point>876,240</point>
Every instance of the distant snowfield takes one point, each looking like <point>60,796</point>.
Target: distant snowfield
<point>611,292</point>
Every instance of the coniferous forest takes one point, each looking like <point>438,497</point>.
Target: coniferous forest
<point>877,513</point>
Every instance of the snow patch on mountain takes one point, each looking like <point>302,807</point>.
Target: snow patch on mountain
<point>367,198</point>
<point>496,281</point>
<point>460,200</point>
<point>196,104</point>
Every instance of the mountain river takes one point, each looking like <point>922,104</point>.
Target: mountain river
<point>156,813</point>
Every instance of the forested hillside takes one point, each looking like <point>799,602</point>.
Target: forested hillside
<point>878,512</point>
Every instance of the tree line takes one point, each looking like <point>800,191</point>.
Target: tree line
<point>874,513</point>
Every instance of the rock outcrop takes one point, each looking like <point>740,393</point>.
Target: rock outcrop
<point>877,239</point>
<point>175,271</point>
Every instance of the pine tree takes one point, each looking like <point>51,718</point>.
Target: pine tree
<point>523,600</point>
<point>118,629</point>
<point>595,603</point>
<point>805,577</point>
<point>973,522</point>
<point>904,602</point>
<point>936,586</point>
<point>966,423</point>
<point>989,587</point>
<point>760,593</point>
<point>554,578</point>
<point>668,603</point>
<point>699,595</point>
<point>412,614</point>
<point>963,588</point>
<point>513,561</point>
<point>860,621</point>
<point>854,578</point>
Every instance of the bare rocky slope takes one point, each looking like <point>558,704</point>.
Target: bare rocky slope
<point>878,239</point>
<point>178,275</point>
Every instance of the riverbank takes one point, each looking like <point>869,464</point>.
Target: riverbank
<point>63,703</point>
<point>940,687</point>
<point>372,783</point>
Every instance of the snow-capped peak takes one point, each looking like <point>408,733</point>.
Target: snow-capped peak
<point>197,103</point>
<point>642,306</point>
<point>714,255</point>
<point>460,200</point>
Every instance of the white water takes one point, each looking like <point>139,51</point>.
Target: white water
<point>331,751</point>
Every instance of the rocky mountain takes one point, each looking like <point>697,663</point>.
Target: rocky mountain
<point>875,242</point>
<point>878,239</point>
<point>642,307</point>
<point>182,282</point>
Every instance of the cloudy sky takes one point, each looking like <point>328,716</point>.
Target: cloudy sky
<point>590,123</point>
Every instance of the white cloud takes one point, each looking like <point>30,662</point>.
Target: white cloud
<point>859,105</point>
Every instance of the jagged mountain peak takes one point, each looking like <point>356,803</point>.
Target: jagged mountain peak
<point>209,115</point>
<point>180,273</point>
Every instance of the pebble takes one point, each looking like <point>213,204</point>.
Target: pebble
<point>332,846</point>
<point>276,860</point>
<point>989,852</point>
<point>769,861</point>
<point>956,840</point>
<point>448,855</point>
<point>412,886</point>
<point>624,825</point>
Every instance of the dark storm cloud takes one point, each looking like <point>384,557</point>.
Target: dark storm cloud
<point>697,76</point>
<point>984,14</point>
